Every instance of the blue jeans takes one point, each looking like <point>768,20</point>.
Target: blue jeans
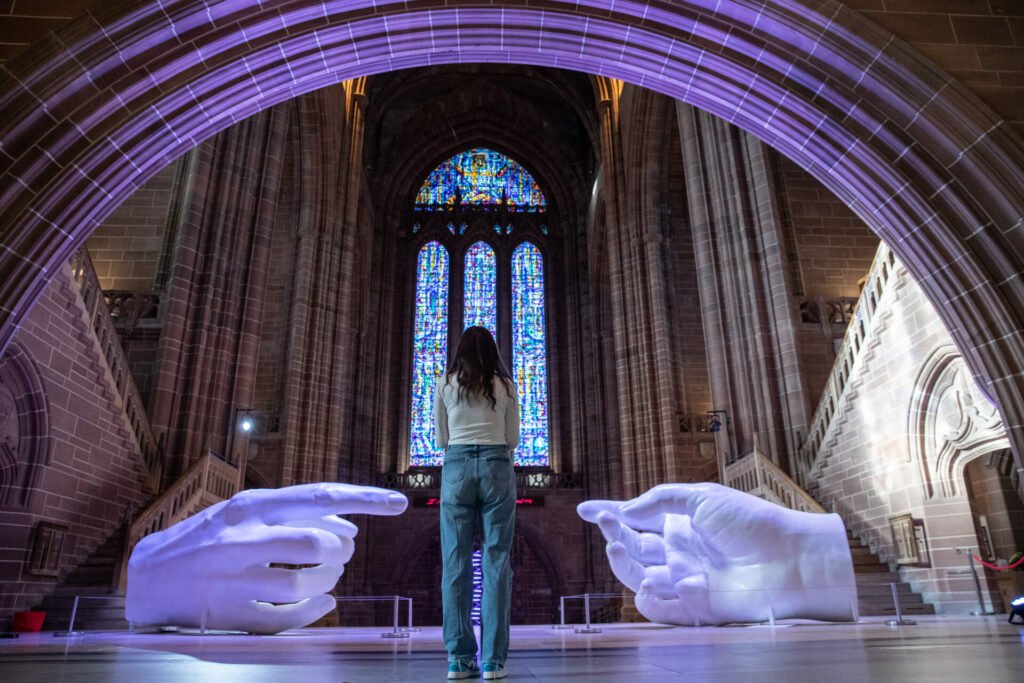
<point>478,491</point>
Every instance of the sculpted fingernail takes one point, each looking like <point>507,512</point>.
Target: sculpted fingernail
<point>396,501</point>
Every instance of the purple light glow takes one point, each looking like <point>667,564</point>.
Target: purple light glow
<point>781,82</point>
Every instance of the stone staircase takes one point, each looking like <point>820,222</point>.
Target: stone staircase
<point>874,593</point>
<point>95,578</point>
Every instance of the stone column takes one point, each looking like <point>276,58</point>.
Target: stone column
<point>325,337</point>
<point>748,312</point>
<point>207,356</point>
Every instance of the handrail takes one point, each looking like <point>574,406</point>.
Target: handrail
<point>757,475</point>
<point>209,480</point>
<point>84,274</point>
<point>882,269</point>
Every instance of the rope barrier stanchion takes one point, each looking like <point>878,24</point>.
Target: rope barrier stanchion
<point>561,616</point>
<point>410,628</point>
<point>586,608</point>
<point>395,631</point>
<point>899,620</point>
<point>71,632</point>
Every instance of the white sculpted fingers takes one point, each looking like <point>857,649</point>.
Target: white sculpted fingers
<point>627,570</point>
<point>342,528</point>
<point>646,548</point>
<point>592,511</point>
<point>264,618</point>
<point>242,547</point>
<point>279,585</point>
<point>678,499</point>
<point>309,501</point>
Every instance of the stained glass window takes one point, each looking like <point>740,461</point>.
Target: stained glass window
<point>430,350</point>
<point>481,288</point>
<point>481,177</point>
<point>529,354</point>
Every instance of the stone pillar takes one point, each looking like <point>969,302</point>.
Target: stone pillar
<point>208,351</point>
<point>747,308</point>
<point>325,332</point>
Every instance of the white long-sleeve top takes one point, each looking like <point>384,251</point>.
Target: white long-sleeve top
<point>472,421</point>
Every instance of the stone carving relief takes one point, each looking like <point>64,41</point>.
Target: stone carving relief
<point>24,426</point>
<point>8,441</point>
<point>951,423</point>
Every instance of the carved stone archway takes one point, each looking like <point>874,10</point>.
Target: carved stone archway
<point>100,106</point>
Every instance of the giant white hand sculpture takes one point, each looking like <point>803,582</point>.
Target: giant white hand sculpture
<point>212,569</point>
<point>708,554</point>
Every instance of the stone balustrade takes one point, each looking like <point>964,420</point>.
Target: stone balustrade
<point>849,354</point>
<point>110,344</point>
<point>757,475</point>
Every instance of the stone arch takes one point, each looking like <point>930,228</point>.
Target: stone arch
<point>24,427</point>
<point>109,99</point>
<point>950,423</point>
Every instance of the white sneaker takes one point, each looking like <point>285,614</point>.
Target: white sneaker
<point>494,671</point>
<point>457,670</point>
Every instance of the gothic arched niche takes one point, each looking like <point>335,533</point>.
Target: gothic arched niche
<point>951,423</point>
<point>24,427</point>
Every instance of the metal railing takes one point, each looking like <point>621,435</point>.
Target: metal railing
<point>849,354</point>
<point>88,283</point>
<point>429,479</point>
<point>756,474</point>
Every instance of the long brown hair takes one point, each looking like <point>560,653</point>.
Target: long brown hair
<point>476,364</point>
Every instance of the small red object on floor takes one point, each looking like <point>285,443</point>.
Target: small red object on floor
<point>27,621</point>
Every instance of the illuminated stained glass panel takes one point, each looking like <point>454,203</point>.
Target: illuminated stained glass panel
<point>481,177</point>
<point>529,354</point>
<point>480,291</point>
<point>430,350</point>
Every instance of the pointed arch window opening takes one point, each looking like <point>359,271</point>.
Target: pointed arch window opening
<point>471,183</point>
<point>430,350</point>
<point>529,354</point>
<point>480,288</point>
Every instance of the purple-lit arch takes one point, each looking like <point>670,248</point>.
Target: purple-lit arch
<point>95,110</point>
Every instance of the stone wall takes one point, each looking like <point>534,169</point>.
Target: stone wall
<point>89,477</point>
<point>126,248</point>
<point>889,449</point>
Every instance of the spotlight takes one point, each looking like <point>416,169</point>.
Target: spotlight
<point>246,424</point>
<point>715,425</point>
<point>1017,608</point>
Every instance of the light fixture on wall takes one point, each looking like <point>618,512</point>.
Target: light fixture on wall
<point>243,421</point>
<point>715,422</point>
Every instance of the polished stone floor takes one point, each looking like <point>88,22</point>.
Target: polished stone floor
<point>947,649</point>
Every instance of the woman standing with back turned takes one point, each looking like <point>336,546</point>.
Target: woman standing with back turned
<point>476,415</point>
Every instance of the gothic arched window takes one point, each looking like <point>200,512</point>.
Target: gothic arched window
<point>498,282</point>
<point>430,348</point>
<point>480,288</point>
<point>529,352</point>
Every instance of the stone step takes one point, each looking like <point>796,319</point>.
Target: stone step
<point>865,568</point>
<point>91,615</point>
<point>879,609</point>
<point>883,589</point>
